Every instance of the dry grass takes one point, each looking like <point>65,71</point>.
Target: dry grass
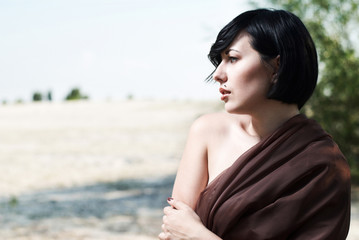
<point>85,170</point>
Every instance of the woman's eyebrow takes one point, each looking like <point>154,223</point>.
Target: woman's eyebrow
<point>231,49</point>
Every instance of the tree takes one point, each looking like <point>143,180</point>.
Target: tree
<point>335,102</point>
<point>37,97</point>
<point>19,101</point>
<point>49,96</point>
<point>76,94</point>
<point>130,96</point>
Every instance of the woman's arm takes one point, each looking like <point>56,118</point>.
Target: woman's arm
<point>180,221</point>
<point>192,174</point>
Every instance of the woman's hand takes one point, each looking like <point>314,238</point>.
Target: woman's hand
<point>180,222</point>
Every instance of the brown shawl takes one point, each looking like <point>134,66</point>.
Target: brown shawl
<point>294,184</point>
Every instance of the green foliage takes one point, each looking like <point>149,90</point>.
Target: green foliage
<point>49,96</point>
<point>37,97</point>
<point>76,94</point>
<point>13,201</point>
<point>19,101</point>
<point>335,102</point>
<point>130,97</point>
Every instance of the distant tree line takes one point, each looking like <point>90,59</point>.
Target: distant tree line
<point>74,94</point>
<point>37,96</point>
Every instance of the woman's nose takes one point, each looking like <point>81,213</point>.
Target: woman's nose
<point>220,75</point>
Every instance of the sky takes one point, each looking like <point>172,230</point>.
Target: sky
<point>110,48</point>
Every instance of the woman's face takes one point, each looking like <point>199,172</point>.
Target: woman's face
<point>244,79</point>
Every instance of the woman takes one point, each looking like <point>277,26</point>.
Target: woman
<point>261,170</point>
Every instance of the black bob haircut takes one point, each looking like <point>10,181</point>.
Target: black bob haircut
<point>273,33</point>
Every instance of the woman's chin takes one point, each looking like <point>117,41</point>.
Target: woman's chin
<point>230,108</point>
<point>234,109</point>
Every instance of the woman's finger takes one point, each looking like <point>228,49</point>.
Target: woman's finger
<point>164,236</point>
<point>178,204</point>
<point>164,229</point>
<point>168,210</point>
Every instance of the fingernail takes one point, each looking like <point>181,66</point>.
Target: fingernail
<point>169,199</point>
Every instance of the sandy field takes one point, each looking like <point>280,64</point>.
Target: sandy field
<point>93,170</point>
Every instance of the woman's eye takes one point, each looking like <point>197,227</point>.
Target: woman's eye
<point>232,59</point>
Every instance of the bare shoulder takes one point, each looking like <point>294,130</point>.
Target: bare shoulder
<point>216,122</point>
<point>208,121</point>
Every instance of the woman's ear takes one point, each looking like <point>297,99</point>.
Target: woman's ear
<point>275,64</point>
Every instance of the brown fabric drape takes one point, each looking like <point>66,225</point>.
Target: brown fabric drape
<point>294,184</point>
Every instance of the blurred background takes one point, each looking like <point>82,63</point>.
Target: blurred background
<point>109,49</point>
<point>97,98</point>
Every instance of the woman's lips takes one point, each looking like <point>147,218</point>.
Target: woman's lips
<point>224,93</point>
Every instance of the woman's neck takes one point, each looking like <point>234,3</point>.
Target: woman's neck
<point>267,120</point>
